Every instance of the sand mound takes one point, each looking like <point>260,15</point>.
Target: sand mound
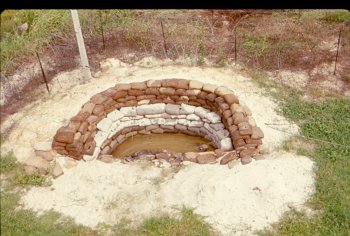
<point>241,199</point>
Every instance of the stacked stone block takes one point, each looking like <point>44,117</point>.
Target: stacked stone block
<point>126,109</point>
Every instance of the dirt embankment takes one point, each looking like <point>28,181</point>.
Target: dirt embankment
<point>238,200</point>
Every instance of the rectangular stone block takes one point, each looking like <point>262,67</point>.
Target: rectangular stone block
<point>109,92</point>
<point>253,141</point>
<point>89,147</point>
<point>151,127</point>
<point>209,88</point>
<point>98,98</point>
<point>227,114</point>
<point>188,132</point>
<point>245,128</point>
<point>109,103</point>
<point>201,101</point>
<point>73,125</point>
<point>211,97</point>
<point>130,103</point>
<point>169,83</point>
<point>193,103</point>
<point>180,92</point>
<point>152,91</point>
<point>166,91</point>
<point>157,131</point>
<point>172,109</point>
<point>134,92</point>
<point>154,83</point>
<point>132,133</point>
<point>192,92</point>
<point>231,99</point>
<point>221,91</point>
<point>182,84</point>
<point>257,133</point>
<point>81,116</point>
<point>151,109</point>
<point>64,135</point>
<point>99,110</point>
<point>238,143</point>
<point>175,98</point>
<point>88,107</point>
<point>180,127</point>
<point>122,86</point>
<point>119,94</point>
<point>194,84</point>
<point>139,85</point>
<point>239,117</point>
<point>224,106</point>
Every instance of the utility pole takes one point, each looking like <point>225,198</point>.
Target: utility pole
<point>81,45</point>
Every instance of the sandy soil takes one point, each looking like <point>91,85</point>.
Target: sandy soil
<point>239,200</point>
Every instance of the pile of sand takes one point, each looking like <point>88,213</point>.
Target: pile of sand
<point>241,199</point>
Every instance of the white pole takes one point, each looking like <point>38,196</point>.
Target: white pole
<point>81,45</point>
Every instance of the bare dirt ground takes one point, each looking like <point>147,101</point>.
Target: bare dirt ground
<point>238,200</point>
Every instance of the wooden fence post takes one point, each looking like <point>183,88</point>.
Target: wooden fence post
<point>81,45</point>
<point>336,57</point>
<point>164,42</point>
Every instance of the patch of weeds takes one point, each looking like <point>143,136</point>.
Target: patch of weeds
<point>189,224</point>
<point>201,47</point>
<point>15,175</point>
<point>317,92</point>
<point>261,79</point>
<point>256,46</point>
<point>201,52</point>
<point>298,145</point>
<point>129,37</point>
<point>16,221</point>
<point>34,179</point>
<point>308,15</point>
<point>346,78</point>
<point>8,163</point>
<point>43,26</point>
<point>336,16</point>
<point>122,228</point>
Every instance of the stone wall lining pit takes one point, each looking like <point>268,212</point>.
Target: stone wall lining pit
<point>137,106</point>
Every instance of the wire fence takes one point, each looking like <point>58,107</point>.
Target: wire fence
<point>221,37</point>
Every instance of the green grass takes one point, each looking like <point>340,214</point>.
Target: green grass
<point>336,16</point>
<point>15,175</point>
<point>190,224</point>
<point>8,163</point>
<point>44,25</point>
<point>256,45</point>
<point>328,121</point>
<point>26,222</point>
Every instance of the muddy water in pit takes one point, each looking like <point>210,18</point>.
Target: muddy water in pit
<point>158,142</point>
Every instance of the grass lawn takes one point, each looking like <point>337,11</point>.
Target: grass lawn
<point>329,121</point>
